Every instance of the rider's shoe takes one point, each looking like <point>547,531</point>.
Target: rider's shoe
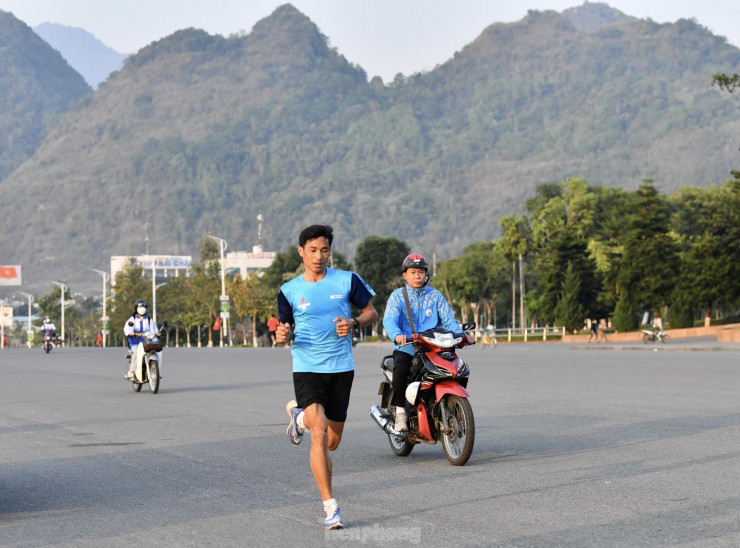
<point>130,375</point>
<point>400,425</point>
<point>295,433</point>
<point>334,521</point>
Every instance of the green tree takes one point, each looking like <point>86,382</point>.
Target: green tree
<point>569,311</point>
<point>174,305</point>
<point>707,223</point>
<point>250,297</point>
<point>728,83</point>
<point>567,251</point>
<point>513,245</point>
<point>649,270</point>
<point>130,286</point>
<point>474,279</point>
<point>379,261</point>
<point>625,314</point>
<point>206,287</point>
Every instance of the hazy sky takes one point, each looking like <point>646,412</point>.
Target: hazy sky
<point>384,37</point>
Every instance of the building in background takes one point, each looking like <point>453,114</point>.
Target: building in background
<point>161,266</point>
<point>172,266</point>
<point>243,262</point>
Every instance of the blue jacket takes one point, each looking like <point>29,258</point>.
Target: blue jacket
<point>429,309</point>
<point>142,324</point>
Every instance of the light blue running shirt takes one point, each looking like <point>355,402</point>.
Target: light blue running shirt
<point>312,307</point>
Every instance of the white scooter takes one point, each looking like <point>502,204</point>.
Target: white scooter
<point>651,336</point>
<point>148,360</point>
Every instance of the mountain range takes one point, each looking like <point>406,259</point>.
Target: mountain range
<point>37,85</point>
<point>198,134</point>
<point>84,52</point>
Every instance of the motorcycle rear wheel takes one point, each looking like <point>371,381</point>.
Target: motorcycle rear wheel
<point>458,445</point>
<point>647,339</point>
<point>154,376</point>
<point>399,445</point>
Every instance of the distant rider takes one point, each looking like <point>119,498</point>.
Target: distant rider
<point>429,309</point>
<point>142,323</point>
<point>48,328</point>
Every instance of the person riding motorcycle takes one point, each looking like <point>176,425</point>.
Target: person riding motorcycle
<point>429,309</point>
<point>48,328</point>
<point>141,324</point>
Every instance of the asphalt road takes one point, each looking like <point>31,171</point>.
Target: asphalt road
<point>573,448</point>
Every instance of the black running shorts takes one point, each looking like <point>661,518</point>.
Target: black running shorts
<point>331,390</point>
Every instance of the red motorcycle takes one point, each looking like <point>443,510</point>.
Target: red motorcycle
<point>437,403</point>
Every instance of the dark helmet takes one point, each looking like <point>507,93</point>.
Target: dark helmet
<point>140,302</point>
<point>414,261</point>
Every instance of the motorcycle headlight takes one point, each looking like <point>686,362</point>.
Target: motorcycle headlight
<point>443,340</point>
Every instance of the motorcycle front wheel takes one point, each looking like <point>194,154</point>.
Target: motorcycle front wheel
<point>153,376</point>
<point>665,339</point>
<point>137,386</point>
<point>458,444</point>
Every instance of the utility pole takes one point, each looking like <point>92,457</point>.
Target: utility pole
<point>63,288</point>
<point>104,329</point>
<point>224,297</point>
<point>29,332</point>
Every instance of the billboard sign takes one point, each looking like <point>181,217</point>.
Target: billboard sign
<point>6,316</point>
<point>10,274</point>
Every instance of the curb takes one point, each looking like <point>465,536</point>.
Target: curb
<point>659,348</point>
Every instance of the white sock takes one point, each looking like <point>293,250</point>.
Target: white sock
<point>329,506</point>
<point>400,410</point>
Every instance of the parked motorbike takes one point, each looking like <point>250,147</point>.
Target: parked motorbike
<point>651,336</point>
<point>148,360</point>
<point>49,341</point>
<point>437,403</point>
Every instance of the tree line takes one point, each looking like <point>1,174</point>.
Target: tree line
<point>579,252</point>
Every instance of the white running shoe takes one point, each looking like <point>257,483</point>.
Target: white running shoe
<point>400,425</point>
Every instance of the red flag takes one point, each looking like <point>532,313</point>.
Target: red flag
<point>217,325</point>
<point>10,275</point>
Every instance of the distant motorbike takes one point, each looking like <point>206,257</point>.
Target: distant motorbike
<point>148,360</point>
<point>437,400</point>
<point>650,336</point>
<point>49,341</point>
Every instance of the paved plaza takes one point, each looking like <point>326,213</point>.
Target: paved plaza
<point>576,445</point>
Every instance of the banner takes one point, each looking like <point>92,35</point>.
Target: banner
<point>10,275</point>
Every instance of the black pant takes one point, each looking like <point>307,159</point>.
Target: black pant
<point>400,377</point>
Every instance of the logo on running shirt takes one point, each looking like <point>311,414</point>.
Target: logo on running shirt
<point>303,304</point>
<point>335,296</point>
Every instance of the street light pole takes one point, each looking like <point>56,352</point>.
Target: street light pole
<point>154,300</point>
<point>63,288</point>
<point>224,296</point>
<point>104,320</point>
<point>29,331</point>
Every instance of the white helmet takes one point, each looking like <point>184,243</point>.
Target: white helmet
<point>412,391</point>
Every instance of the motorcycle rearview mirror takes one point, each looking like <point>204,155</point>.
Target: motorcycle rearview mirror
<point>130,324</point>
<point>468,326</point>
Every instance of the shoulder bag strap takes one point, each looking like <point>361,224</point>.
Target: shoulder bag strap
<point>408,309</point>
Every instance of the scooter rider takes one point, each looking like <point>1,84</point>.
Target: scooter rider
<point>142,323</point>
<point>429,309</point>
<point>48,328</point>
